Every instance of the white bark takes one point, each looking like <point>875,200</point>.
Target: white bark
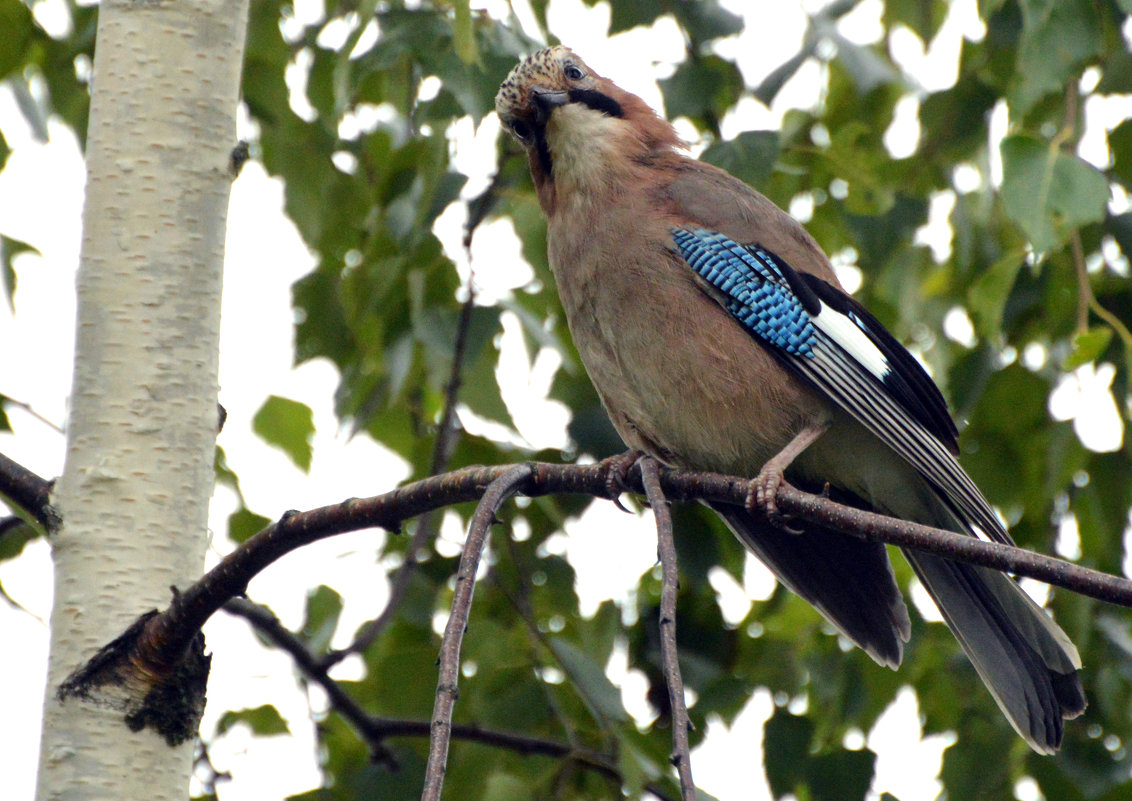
<point>141,435</point>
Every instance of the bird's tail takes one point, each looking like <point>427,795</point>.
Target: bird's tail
<point>1025,659</point>
<point>845,578</point>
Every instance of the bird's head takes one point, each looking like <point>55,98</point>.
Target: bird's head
<point>577,126</point>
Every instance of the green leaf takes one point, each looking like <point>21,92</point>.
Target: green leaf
<point>1087,347</point>
<point>986,299</point>
<point>9,249</point>
<point>1057,37</point>
<point>1120,143</point>
<point>1117,72</point>
<point>1048,192</point>
<point>289,426</point>
<point>264,720</point>
<point>1101,507</point>
<point>598,691</point>
<point>463,37</point>
<point>786,748</point>
<point>14,535</point>
<point>16,22</point>
<point>922,16</point>
<point>954,120</point>
<point>482,394</point>
<point>702,89</point>
<point>750,156</point>
<point>842,774</point>
<point>625,16</point>
<point>793,766</point>
<point>324,606</point>
<point>243,524</point>
<point>706,19</point>
<point>979,766</point>
<point>505,787</point>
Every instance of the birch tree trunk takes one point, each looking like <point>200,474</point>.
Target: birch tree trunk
<point>141,435</point>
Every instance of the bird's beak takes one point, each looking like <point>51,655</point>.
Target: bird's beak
<point>545,101</point>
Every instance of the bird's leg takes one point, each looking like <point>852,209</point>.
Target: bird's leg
<point>765,485</point>
<point>617,475</point>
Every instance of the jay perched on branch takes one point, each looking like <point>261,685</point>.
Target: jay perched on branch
<point>719,338</point>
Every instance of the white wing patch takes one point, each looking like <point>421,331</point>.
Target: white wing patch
<point>848,334</point>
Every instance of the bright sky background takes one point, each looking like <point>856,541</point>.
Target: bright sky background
<point>41,202</point>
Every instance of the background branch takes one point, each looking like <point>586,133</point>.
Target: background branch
<point>449,674</point>
<point>375,730</point>
<point>670,655</point>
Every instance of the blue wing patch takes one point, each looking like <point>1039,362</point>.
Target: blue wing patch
<point>759,295</point>
<point>847,355</point>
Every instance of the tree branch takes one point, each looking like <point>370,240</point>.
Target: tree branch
<point>228,579</point>
<point>28,490</point>
<point>266,623</point>
<point>670,656</point>
<point>374,730</point>
<point>497,492</point>
<point>158,645</point>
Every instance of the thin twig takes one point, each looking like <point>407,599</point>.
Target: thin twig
<point>1087,301</point>
<point>494,496</point>
<point>398,589</point>
<point>1067,140</point>
<point>266,623</point>
<point>202,762</point>
<point>1084,291</point>
<point>27,407</point>
<point>446,434</point>
<point>670,582</point>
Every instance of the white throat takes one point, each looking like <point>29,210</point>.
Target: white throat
<point>583,149</point>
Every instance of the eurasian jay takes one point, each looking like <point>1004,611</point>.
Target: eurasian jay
<point>719,338</point>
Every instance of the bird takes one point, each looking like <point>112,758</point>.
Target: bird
<point>719,338</point>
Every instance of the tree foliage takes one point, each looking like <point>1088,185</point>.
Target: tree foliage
<point>1037,263</point>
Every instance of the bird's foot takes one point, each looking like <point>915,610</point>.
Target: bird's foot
<point>616,469</point>
<point>761,494</point>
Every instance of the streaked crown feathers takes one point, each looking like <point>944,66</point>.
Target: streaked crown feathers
<point>544,68</point>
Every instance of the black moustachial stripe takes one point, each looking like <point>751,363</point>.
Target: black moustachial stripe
<point>590,98</point>
<point>543,151</point>
<point>594,99</point>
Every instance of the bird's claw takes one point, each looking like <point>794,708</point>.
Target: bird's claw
<point>617,502</point>
<point>761,494</point>
<point>616,469</point>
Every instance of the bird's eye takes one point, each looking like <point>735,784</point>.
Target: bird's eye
<point>573,72</point>
<point>521,130</point>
